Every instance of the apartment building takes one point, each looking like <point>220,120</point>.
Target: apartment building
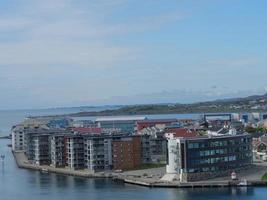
<point>75,152</point>
<point>127,153</point>
<point>153,149</point>
<point>58,144</point>
<point>98,153</point>
<point>38,148</point>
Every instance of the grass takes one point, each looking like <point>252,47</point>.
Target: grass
<point>264,177</point>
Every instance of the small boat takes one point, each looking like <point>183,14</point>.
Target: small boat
<point>243,183</point>
<point>44,170</point>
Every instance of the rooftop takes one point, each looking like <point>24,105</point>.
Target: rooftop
<point>121,118</point>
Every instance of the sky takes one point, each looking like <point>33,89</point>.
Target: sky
<point>96,52</point>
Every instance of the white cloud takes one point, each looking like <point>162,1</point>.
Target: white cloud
<point>71,32</point>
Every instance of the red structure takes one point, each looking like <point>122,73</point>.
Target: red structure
<point>127,153</point>
<point>182,132</point>
<point>85,130</point>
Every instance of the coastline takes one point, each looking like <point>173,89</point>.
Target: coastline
<point>134,177</point>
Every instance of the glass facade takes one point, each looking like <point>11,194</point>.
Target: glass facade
<point>217,153</point>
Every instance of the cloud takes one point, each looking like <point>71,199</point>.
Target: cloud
<point>234,63</point>
<point>56,53</point>
<point>60,32</point>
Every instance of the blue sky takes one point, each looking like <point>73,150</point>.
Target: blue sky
<point>95,52</point>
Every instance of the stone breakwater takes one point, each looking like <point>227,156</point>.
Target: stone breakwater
<point>146,178</point>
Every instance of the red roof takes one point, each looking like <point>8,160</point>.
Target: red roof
<point>182,132</point>
<point>84,130</point>
<point>152,122</point>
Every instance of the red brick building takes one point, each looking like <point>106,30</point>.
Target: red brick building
<point>127,153</point>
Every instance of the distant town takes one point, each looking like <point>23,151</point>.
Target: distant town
<point>228,147</point>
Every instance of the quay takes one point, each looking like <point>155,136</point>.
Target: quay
<point>137,177</point>
<point>205,184</point>
<point>22,162</point>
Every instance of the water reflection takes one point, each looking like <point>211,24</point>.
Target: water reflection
<point>209,193</point>
<point>61,181</point>
<point>26,184</point>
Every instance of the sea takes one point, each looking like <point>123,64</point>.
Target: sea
<point>22,184</point>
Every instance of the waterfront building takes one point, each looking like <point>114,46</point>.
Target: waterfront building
<point>124,124</point>
<point>18,138</point>
<point>38,148</point>
<point>200,158</point>
<point>98,153</point>
<point>153,147</point>
<point>43,146</point>
<point>75,152</point>
<point>58,150</point>
<point>18,133</point>
<point>126,153</point>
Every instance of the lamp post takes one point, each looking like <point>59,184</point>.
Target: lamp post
<point>2,161</point>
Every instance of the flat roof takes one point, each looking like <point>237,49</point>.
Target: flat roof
<point>157,120</point>
<point>121,118</point>
<point>215,137</point>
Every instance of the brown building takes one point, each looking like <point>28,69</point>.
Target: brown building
<point>127,153</point>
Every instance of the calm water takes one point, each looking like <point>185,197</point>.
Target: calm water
<point>27,185</point>
<point>10,118</point>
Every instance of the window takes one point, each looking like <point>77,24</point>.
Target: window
<point>190,145</point>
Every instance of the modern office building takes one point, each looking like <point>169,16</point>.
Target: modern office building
<point>200,158</point>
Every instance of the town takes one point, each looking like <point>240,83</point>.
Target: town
<point>142,150</point>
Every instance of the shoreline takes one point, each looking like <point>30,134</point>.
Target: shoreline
<point>128,178</point>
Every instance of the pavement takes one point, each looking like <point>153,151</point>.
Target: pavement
<point>153,175</point>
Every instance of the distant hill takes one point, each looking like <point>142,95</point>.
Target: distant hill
<point>255,103</point>
<point>249,98</point>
